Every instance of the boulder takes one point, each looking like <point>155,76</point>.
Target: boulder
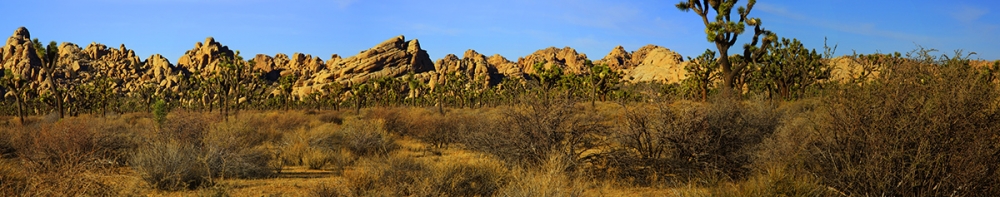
<point>204,57</point>
<point>649,63</point>
<point>474,65</point>
<point>19,56</point>
<point>566,58</point>
<point>506,67</point>
<point>618,59</point>
<point>393,58</point>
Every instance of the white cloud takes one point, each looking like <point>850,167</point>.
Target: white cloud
<point>863,28</point>
<point>968,14</point>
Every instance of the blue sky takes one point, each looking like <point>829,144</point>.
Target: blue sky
<point>512,28</point>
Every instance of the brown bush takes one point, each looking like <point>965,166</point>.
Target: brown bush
<point>441,130</point>
<point>394,176</point>
<point>527,135</point>
<point>191,151</point>
<point>13,180</point>
<point>924,127</point>
<point>361,138</point>
<point>469,179</point>
<point>393,119</point>
<point>239,149</point>
<point>187,127</point>
<point>172,165</point>
<point>331,117</point>
<point>399,175</point>
<point>703,144</point>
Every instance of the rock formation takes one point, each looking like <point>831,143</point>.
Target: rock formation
<point>566,58</point>
<point>204,58</point>
<point>618,59</point>
<point>655,63</point>
<point>281,65</point>
<point>472,64</point>
<point>18,55</point>
<point>506,67</point>
<point>393,58</point>
<point>649,63</point>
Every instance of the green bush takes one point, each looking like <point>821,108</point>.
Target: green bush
<point>160,112</point>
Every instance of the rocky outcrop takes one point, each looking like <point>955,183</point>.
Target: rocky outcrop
<point>204,57</point>
<point>655,63</point>
<point>120,63</point>
<point>618,59</point>
<point>506,67</point>
<point>474,65</point>
<point>393,58</point>
<point>566,58</point>
<point>161,73</point>
<point>649,63</point>
<point>18,55</point>
<point>282,65</point>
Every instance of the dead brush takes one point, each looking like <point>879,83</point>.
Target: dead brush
<point>925,126</point>
<point>527,134</point>
<point>705,144</point>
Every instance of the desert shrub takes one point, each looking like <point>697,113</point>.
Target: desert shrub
<point>528,134</point>
<point>361,138</point>
<point>547,179</point>
<point>61,157</point>
<point>188,127</point>
<point>279,122</point>
<point>704,144</point>
<point>329,190</point>
<point>923,127</point>
<point>74,141</point>
<point>331,117</point>
<point>441,130</point>
<point>394,176</point>
<point>13,180</point>
<point>393,119</point>
<point>400,175</point>
<point>115,141</point>
<point>469,179</point>
<point>172,165</point>
<point>8,147</point>
<point>239,150</point>
<point>721,143</point>
<point>320,158</point>
<point>775,182</point>
<point>317,158</point>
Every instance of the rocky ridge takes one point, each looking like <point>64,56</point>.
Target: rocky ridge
<point>395,57</point>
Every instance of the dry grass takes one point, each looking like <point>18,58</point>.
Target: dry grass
<point>907,131</point>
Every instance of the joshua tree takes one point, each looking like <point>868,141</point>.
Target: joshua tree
<point>602,79</point>
<point>51,59</point>
<point>14,85</point>
<point>723,31</point>
<point>789,68</point>
<point>701,72</point>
